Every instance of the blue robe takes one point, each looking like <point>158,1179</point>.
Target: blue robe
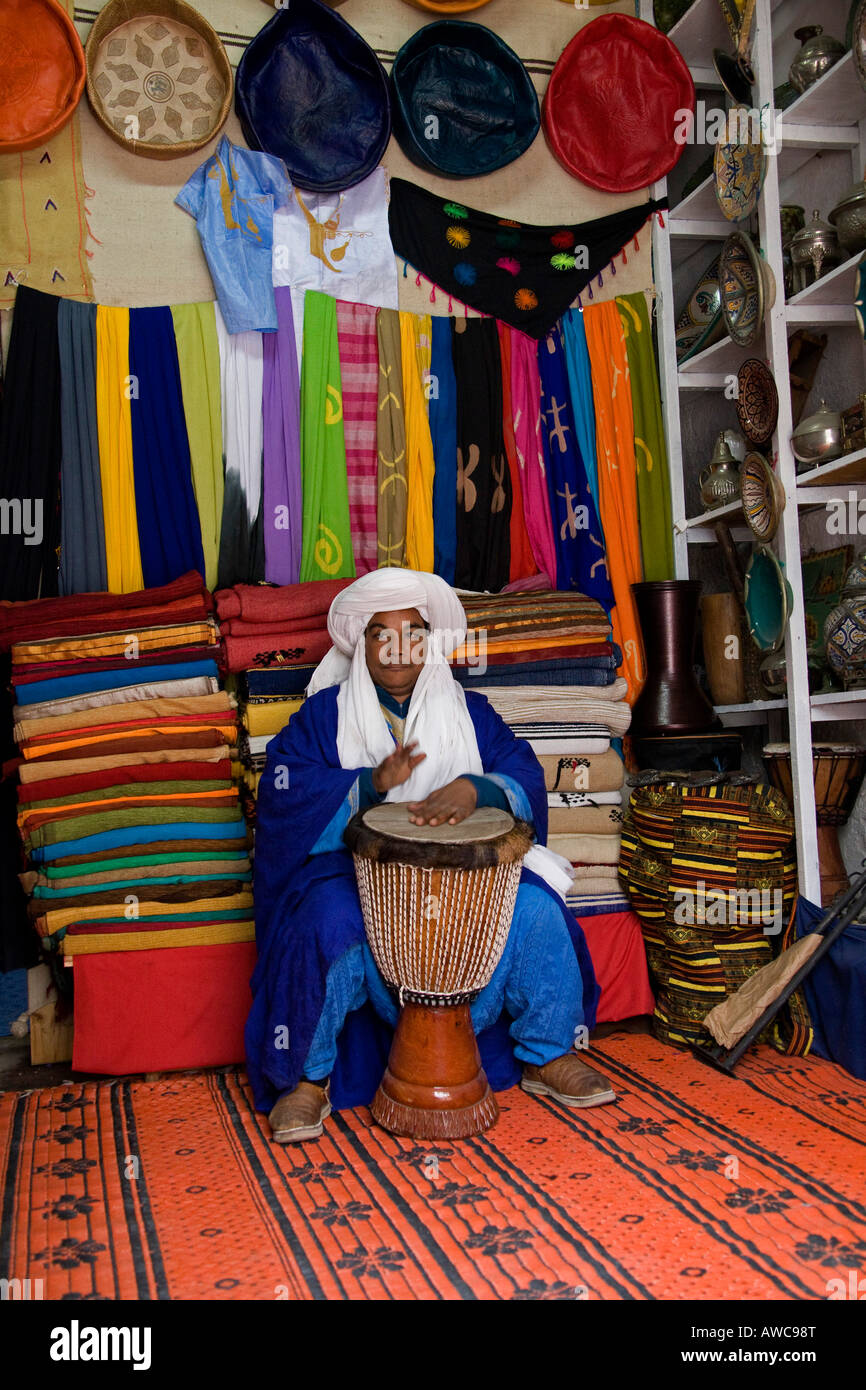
<point>302,791</point>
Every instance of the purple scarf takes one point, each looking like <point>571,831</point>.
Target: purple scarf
<point>282,512</point>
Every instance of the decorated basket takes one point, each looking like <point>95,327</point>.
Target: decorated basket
<point>158,77</point>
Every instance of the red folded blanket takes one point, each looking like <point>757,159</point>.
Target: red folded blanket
<point>284,603</point>
<point>153,773</point>
<point>272,649</point>
<point>35,619</point>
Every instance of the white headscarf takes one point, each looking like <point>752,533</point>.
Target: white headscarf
<point>437,718</point>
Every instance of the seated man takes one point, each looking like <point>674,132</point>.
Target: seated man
<point>385,720</point>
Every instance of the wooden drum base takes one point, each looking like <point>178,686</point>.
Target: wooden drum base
<point>834,878</point>
<point>434,1086</point>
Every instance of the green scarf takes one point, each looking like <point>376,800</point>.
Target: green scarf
<point>653,477</point>
<point>327,540</point>
<point>198,357</point>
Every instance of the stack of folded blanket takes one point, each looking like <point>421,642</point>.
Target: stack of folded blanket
<point>542,637</point>
<point>133,835</point>
<point>546,662</point>
<point>270,625</point>
<point>274,637</point>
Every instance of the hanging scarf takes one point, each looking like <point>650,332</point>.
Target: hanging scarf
<point>282,510</point>
<point>617,487</point>
<point>483,480</point>
<point>443,432</point>
<point>391,443</point>
<point>241,558</point>
<point>522,562</point>
<point>31,447</point>
<point>580,547</point>
<point>327,541</point>
<point>523,274</point>
<point>359,369</point>
<point>169,531</point>
<point>419,445</point>
<point>198,359</point>
<point>526,405</point>
<point>653,477</point>
<point>82,550</point>
<point>580,391</point>
<point>114,426</point>
<point>437,719</point>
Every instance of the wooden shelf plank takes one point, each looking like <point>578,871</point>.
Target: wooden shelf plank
<point>836,287</point>
<point>724,356</point>
<point>700,205</point>
<point>701,29</point>
<point>730,511</point>
<point>836,99</point>
<point>850,468</point>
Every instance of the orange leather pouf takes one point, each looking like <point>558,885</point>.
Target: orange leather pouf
<point>41,72</point>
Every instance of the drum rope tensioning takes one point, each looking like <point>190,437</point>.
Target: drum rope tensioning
<point>437,904</point>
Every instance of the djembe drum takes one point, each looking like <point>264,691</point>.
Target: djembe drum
<point>837,769</point>
<point>437,904</point>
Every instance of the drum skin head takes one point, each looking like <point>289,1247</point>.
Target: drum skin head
<point>487,836</point>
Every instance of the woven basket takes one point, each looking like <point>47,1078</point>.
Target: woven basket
<point>158,77</point>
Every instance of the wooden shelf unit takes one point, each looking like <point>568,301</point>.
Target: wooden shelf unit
<point>829,119</point>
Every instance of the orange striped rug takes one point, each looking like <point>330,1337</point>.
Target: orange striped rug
<point>693,1186</point>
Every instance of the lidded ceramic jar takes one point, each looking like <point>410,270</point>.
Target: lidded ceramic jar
<point>845,629</point>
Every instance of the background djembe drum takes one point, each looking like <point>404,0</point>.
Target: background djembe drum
<point>838,771</point>
<point>437,904</point>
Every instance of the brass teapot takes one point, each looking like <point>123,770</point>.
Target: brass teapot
<point>720,480</point>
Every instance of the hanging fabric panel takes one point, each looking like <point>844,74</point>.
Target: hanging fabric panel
<point>82,549</point>
<point>391,443</point>
<point>327,541</point>
<point>198,358</point>
<point>414,330</point>
<point>653,476</point>
<point>114,423</point>
<point>483,480</point>
<point>617,485</point>
<point>282,511</point>
<point>359,370</point>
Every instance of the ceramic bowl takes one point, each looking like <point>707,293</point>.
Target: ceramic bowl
<point>768,599</point>
<point>762,495</point>
<point>858,41</point>
<point>757,401</point>
<point>700,322</point>
<point>747,288</point>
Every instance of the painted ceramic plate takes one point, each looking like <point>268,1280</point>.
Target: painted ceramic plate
<point>739,173</point>
<point>757,401</point>
<point>702,316</point>
<point>742,286</point>
<point>762,495</point>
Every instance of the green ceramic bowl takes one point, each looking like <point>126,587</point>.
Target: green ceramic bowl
<point>768,599</point>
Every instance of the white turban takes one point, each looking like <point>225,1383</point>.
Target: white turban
<point>438,719</point>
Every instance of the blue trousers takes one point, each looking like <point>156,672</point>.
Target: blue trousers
<point>537,982</point>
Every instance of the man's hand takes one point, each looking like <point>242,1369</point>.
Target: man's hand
<point>450,804</point>
<point>396,768</point>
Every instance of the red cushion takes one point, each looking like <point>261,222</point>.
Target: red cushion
<point>610,109</point>
<point>42,72</point>
<point>616,946</point>
<point>162,1010</point>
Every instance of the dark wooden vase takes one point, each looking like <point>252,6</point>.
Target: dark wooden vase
<point>434,1086</point>
<point>671,701</point>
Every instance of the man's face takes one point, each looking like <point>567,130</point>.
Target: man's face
<point>395,646</point>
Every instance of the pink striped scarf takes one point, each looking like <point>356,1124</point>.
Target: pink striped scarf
<point>359,367</point>
<point>526,407</point>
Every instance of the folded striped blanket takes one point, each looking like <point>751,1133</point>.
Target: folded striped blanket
<point>584,799</point>
<point>547,705</point>
<point>586,849</point>
<point>599,772</point>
